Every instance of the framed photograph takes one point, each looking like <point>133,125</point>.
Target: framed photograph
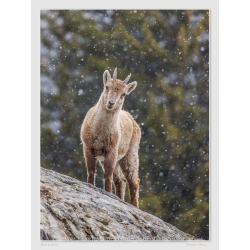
<point>126,124</point>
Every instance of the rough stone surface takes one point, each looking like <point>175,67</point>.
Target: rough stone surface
<point>74,210</point>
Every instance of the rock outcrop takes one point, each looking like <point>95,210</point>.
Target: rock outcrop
<point>74,210</point>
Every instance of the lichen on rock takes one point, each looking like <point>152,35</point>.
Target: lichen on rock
<point>73,210</point>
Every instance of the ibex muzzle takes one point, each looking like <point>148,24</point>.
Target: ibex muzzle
<point>111,103</point>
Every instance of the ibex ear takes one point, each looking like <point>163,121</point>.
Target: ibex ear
<point>131,86</point>
<point>106,76</point>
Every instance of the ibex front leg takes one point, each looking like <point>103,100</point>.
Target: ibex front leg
<point>109,167</point>
<point>90,160</point>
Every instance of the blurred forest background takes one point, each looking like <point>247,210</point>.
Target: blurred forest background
<point>167,53</point>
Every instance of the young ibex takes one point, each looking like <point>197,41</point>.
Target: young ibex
<point>111,135</point>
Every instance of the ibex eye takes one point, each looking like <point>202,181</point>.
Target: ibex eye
<point>123,95</point>
<point>107,88</point>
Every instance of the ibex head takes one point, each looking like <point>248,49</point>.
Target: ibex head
<point>115,90</point>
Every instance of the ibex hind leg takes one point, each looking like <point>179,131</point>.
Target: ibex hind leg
<point>129,165</point>
<point>119,182</point>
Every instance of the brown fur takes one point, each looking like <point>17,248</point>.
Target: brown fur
<point>112,136</point>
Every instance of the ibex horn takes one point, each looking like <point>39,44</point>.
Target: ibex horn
<point>127,79</point>
<point>115,74</point>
